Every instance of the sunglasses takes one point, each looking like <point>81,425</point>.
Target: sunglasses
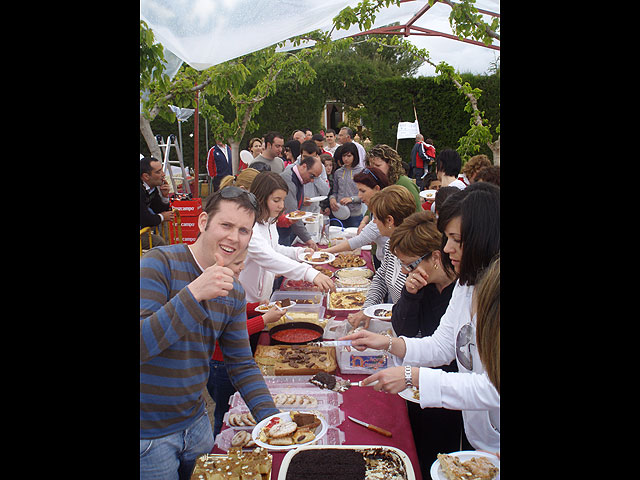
<point>235,192</point>
<point>463,346</point>
<point>366,170</point>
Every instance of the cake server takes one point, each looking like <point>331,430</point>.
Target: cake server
<point>332,343</point>
<point>381,431</point>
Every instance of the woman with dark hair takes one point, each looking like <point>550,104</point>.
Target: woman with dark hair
<point>418,245</point>
<point>291,151</point>
<point>470,223</point>
<point>345,191</point>
<point>368,181</point>
<point>266,257</point>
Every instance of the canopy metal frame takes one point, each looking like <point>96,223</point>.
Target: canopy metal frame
<point>411,29</point>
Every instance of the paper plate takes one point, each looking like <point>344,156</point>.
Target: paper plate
<point>302,257</point>
<point>320,432</point>
<point>428,194</point>
<point>261,309</point>
<point>306,214</point>
<point>407,394</point>
<point>384,306</point>
<point>318,199</point>
<point>436,470</point>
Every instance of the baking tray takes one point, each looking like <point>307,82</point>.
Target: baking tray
<point>197,471</point>
<point>410,474</point>
<point>344,290</point>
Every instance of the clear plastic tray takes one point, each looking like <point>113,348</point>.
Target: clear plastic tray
<point>316,297</point>
<point>333,415</point>
<point>326,399</point>
<point>367,361</point>
<point>334,436</point>
<point>298,285</point>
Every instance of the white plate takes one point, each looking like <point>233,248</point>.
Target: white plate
<point>369,310</point>
<point>271,304</point>
<point>298,218</point>
<point>321,431</point>
<point>436,470</point>
<point>428,194</point>
<point>317,199</point>
<point>284,466</point>
<point>407,394</point>
<point>302,254</point>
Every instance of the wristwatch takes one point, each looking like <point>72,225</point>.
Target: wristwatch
<point>407,376</point>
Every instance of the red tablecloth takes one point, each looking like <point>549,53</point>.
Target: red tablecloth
<point>364,403</point>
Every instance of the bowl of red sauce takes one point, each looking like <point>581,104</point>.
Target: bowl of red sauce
<point>296,333</point>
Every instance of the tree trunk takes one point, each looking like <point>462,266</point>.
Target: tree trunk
<point>235,155</point>
<point>495,149</point>
<point>147,133</point>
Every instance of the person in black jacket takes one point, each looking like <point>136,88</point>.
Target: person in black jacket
<point>424,299</point>
<point>154,202</point>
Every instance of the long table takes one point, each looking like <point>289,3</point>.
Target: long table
<point>384,410</point>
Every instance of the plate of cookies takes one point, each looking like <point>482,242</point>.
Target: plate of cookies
<point>316,258</point>
<point>288,430</point>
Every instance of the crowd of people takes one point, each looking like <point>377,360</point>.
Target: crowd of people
<point>437,259</point>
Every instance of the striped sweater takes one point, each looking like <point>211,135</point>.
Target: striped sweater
<point>388,280</point>
<point>177,339</point>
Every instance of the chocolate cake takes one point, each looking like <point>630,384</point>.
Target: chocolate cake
<point>324,380</point>
<point>336,464</point>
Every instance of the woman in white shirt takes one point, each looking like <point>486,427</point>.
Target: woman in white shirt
<point>470,222</point>
<point>266,258</point>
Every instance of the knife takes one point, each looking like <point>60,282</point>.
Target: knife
<point>381,431</point>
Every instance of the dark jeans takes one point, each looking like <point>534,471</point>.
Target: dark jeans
<point>353,221</point>
<point>220,388</point>
<point>285,236</point>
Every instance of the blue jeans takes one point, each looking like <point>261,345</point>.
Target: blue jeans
<point>220,388</point>
<point>174,456</point>
<point>352,221</point>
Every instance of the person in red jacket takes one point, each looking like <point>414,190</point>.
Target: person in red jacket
<point>219,386</point>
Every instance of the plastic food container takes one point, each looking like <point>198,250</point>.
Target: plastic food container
<point>334,436</point>
<point>316,298</point>
<point>367,361</point>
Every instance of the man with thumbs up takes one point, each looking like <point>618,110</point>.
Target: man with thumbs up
<point>189,299</point>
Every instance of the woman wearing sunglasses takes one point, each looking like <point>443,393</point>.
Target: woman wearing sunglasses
<point>470,223</point>
<point>369,181</point>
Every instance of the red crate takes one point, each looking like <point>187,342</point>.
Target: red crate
<point>188,208</point>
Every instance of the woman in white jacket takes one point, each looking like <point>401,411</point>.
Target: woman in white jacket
<point>470,222</point>
<point>266,258</point>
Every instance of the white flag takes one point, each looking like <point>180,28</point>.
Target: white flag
<point>408,130</point>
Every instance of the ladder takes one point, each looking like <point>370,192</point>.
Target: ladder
<point>166,166</point>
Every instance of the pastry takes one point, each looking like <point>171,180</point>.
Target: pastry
<point>476,468</point>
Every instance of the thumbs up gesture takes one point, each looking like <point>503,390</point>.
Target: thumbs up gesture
<point>215,281</point>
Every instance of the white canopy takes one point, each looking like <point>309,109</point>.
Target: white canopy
<point>208,32</point>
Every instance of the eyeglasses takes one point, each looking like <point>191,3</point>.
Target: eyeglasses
<point>463,345</point>
<point>413,265</point>
<point>235,192</point>
<point>366,170</point>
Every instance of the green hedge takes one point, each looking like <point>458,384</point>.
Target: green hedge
<point>440,110</point>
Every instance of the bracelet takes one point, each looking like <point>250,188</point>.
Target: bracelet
<point>387,351</point>
<point>407,376</point>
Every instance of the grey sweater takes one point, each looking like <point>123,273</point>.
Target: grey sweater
<point>344,186</point>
